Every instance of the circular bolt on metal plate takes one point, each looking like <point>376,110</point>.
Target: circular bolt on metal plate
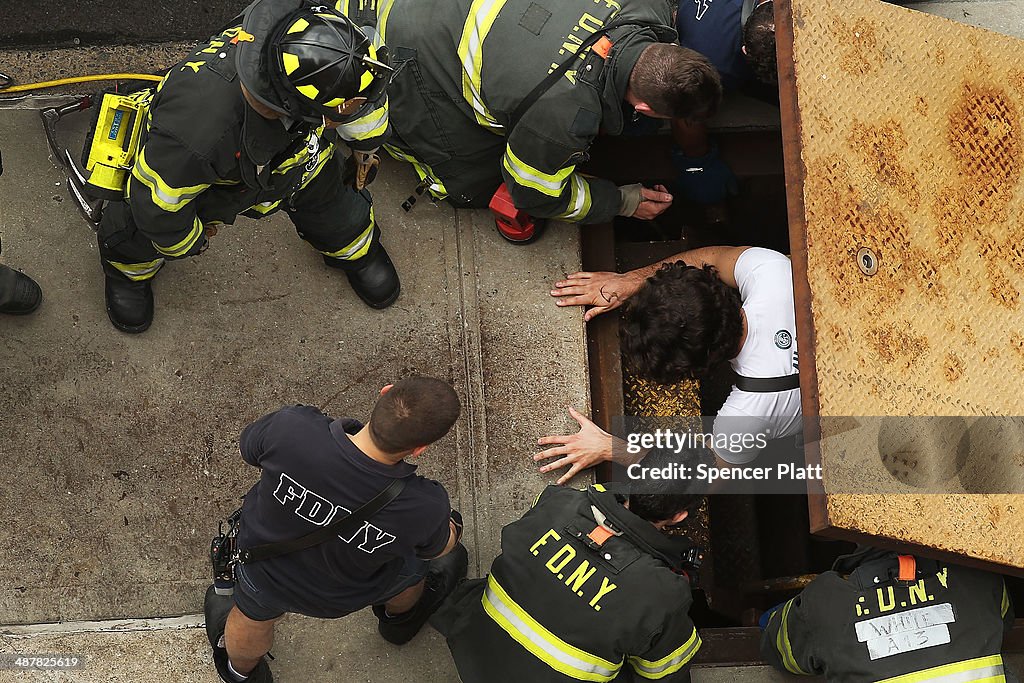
<point>868,261</point>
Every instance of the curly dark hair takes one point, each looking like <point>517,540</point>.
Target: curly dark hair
<point>681,323</point>
<point>759,39</point>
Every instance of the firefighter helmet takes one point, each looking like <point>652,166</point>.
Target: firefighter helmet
<point>310,60</point>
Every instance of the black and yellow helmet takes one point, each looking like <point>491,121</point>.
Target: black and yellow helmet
<point>311,60</point>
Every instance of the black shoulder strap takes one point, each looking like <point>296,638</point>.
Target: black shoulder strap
<point>768,385</point>
<point>346,526</point>
<point>542,87</point>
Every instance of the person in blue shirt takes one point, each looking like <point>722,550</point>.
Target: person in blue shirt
<point>738,38</point>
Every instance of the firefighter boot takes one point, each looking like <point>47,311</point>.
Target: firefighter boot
<point>373,276</point>
<point>129,303</point>
<point>442,577</point>
<point>19,294</point>
<point>216,609</point>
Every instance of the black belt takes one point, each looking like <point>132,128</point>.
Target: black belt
<point>768,385</point>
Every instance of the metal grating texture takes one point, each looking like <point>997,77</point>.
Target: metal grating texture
<point>911,139</point>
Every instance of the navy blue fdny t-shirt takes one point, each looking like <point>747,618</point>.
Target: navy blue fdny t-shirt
<point>714,28</point>
<point>311,472</point>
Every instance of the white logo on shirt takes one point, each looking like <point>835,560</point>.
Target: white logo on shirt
<point>316,509</point>
<point>702,7</point>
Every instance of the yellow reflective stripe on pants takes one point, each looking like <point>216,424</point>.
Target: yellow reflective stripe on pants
<point>981,670</point>
<point>478,24</point>
<point>166,197</point>
<point>550,184</point>
<point>542,643</point>
<point>579,198</point>
<point>138,271</point>
<point>783,645</point>
<point>265,207</point>
<point>358,247</point>
<point>370,126</point>
<point>670,663</point>
<point>1005,607</point>
<point>435,186</point>
<point>185,244</point>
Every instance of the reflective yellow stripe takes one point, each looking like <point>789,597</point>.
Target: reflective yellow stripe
<point>1006,602</point>
<point>383,12</point>
<point>435,187</point>
<point>670,663</point>
<point>185,244</point>
<point>358,247</point>
<point>265,207</point>
<point>166,197</point>
<point>579,199</point>
<point>542,643</point>
<point>782,644</point>
<point>981,670</point>
<point>550,184</point>
<point>342,7</point>
<point>482,14</point>
<point>370,126</point>
<point>138,271</point>
<point>598,487</point>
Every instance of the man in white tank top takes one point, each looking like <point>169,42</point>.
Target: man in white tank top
<point>687,314</point>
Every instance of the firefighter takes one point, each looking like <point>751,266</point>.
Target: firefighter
<point>587,585</point>
<point>880,616</point>
<point>249,124</point>
<point>473,107</point>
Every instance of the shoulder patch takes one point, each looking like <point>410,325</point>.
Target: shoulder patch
<point>534,18</point>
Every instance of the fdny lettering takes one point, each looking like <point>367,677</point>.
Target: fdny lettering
<point>213,47</point>
<point>585,27</point>
<point>317,510</point>
<point>193,65</point>
<point>890,598</point>
<point>575,577</point>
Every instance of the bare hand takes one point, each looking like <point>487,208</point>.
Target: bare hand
<point>603,290</point>
<point>654,202</point>
<point>586,448</point>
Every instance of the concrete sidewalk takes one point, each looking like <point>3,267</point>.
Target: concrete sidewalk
<point>123,450</point>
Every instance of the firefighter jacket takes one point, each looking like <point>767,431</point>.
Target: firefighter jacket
<point>860,622</point>
<point>559,607</point>
<point>469,64</point>
<point>207,156</point>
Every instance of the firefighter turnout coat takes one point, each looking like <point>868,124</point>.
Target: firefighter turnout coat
<point>465,66</point>
<point>207,156</point>
<point>559,606</point>
<point>860,622</point>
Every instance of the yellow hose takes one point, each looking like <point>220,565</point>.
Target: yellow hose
<point>80,79</point>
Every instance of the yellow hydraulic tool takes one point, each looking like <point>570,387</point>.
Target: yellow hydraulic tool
<point>115,142</point>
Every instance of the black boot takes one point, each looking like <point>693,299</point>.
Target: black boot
<point>19,294</point>
<point>444,574</point>
<point>129,303</point>
<point>215,609</point>
<point>373,277</point>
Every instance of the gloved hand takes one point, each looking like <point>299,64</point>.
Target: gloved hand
<point>706,179</point>
<point>360,169</point>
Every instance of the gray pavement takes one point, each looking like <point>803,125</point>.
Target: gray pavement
<point>123,449</point>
